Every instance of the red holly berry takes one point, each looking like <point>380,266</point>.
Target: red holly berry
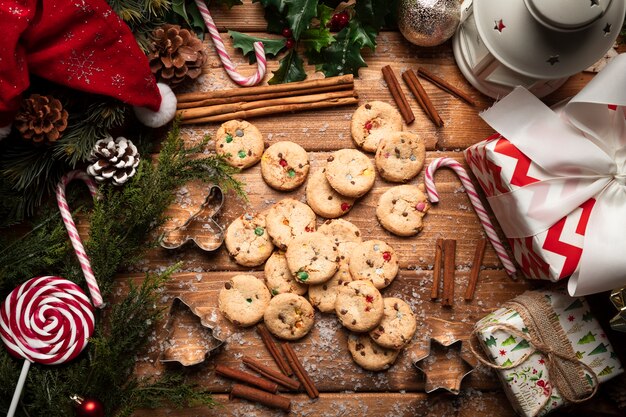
<point>339,21</point>
<point>343,19</point>
<point>282,163</point>
<point>387,256</point>
<point>345,206</point>
<point>287,33</point>
<point>368,125</point>
<point>290,43</point>
<point>369,298</point>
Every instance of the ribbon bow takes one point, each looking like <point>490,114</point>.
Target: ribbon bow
<point>581,149</point>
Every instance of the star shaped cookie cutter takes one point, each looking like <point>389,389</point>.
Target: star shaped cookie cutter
<point>446,334</point>
<point>201,227</point>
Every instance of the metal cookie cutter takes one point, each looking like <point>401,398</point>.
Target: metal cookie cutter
<point>201,228</point>
<point>190,338</point>
<point>446,334</point>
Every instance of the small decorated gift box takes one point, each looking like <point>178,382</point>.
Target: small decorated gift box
<point>555,180</point>
<point>549,351</point>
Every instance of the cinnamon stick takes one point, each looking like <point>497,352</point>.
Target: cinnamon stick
<point>273,349</point>
<point>242,376</point>
<point>434,293</point>
<point>261,397</point>
<point>265,96</point>
<point>271,374</point>
<point>398,95</point>
<point>446,86</point>
<point>478,260</point>
<point>301,85</point>
<point>300,372</point>
<point>422,97</point>
<point>449,249</point>
<point>266,111</point>
<point>198,112</point>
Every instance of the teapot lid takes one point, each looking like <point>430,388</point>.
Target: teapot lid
<point>553,45</point>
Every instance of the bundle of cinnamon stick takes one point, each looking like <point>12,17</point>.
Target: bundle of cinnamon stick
<point>263,389</point>
<point>244,103</point>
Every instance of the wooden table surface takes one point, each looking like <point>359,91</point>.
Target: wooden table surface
<point>346,389</point>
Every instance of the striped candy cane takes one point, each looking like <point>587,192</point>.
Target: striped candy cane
<point>66,215</point>
<point>433,196</point>
<point>259,52</point>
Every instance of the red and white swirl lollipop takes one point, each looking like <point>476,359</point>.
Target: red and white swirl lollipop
<point>49,319</point>
<point>46,320</point>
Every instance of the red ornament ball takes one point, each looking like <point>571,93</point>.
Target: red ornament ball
<point>290,43</point>
<point>287,33</point>
<point>88,407</point>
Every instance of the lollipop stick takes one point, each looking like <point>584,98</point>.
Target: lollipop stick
<point>18,389</point>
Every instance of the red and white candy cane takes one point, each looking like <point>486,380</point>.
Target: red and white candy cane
<point>49,319</point>
<point>433,196</point>
<point>259,52</point>
<point>66,215</point>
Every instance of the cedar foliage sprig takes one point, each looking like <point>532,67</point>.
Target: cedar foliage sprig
<point>121,221</point>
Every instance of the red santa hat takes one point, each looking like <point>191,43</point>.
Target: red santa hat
<point>81,44</point>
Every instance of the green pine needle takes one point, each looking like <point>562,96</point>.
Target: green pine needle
<point>120,224</point>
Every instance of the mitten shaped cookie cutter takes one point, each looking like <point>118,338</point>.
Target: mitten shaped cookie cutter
<point>447,334</point>
<point>201,228</point>
<point>190,339</point>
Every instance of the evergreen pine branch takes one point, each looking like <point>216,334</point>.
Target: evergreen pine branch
<point>170,389</point>
<point>28,173</point>
<point>41,249</point>
<point>114,347</point>
<point>85,129</point>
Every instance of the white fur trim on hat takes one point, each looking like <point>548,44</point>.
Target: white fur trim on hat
<point>166,111</point>
<point>4,131</point>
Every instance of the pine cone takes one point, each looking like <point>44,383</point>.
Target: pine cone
<point>41,119</point>
<point>176,55</point>
<point>113,160</point>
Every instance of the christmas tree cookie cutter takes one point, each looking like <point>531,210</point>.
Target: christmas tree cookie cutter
<point>201,227</point>
<point>446,334</point>
<point>190,339</point>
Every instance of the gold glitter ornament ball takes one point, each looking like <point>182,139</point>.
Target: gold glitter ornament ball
<point>428,22</point>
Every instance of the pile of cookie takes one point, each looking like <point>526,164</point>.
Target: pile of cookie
<point>341,273</point>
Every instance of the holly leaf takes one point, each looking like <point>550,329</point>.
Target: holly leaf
<point>279,5</point>
<point>274,10</point>
<point>246,44</point>
<point>291,69</point>
<point>342,57</point>
<point>189,12</point>
<point>316,39</point>
<point>228,3</point>
<point>372,13</point>
<point>365,36</point>
<point>299,15</point>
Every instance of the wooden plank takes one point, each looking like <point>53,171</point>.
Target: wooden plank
<point>323,351</point>
<point>243,18</point>
<point>351,404</point>
<point>330,129</point>
<point>452,218</point>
